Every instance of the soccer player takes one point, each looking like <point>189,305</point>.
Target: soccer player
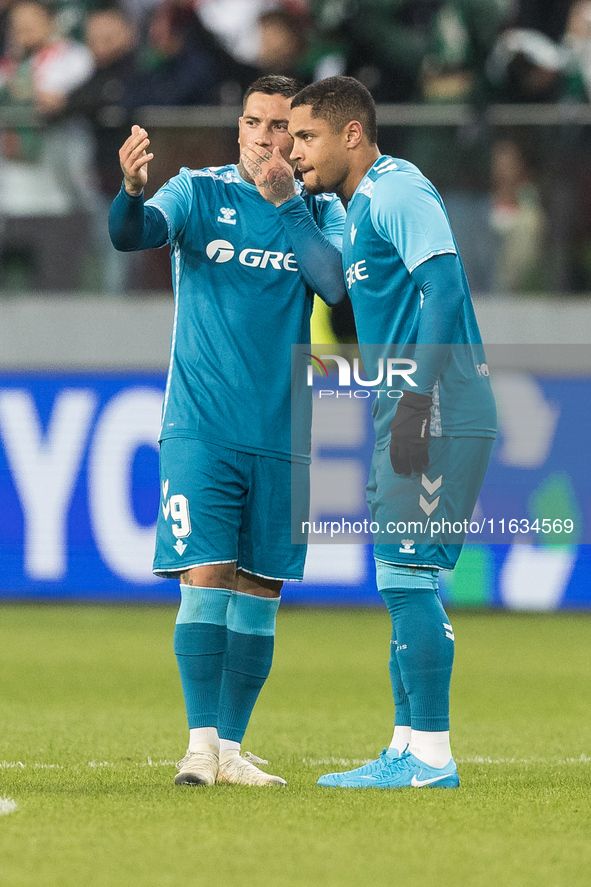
<point>244,272</point>
<point>408,288</point>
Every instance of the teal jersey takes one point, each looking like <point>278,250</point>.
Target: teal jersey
<point>240,303</point>
<point>395,222</point>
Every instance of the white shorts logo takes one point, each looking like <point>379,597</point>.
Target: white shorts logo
<point>220,251</point>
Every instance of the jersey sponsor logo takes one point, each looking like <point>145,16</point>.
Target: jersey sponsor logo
<point>221,251</point>
<point>258,258</point>
<point>227,215</point>
<point>482,369</point>
<point>356,271</point>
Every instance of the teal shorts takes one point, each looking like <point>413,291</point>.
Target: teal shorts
<point>220,506</point>
<point>421,520</point>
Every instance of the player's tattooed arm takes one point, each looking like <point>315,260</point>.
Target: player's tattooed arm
<point>134,160</point>
<point>272,175</point>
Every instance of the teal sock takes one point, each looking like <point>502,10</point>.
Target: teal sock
<point>247,663</point>
<point>200,639</point>
<point>401,700</point>
<point>425,653</point>
<point>423,648</point>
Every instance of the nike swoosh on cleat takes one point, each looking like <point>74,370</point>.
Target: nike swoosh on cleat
<point>417,783</point>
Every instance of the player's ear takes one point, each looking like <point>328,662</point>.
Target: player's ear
<point>353,133</point>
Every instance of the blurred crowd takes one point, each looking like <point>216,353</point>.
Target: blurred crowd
<point>80,68</point>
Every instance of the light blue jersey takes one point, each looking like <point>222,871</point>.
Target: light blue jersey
<point>240,303</point>
<point>395,222</point>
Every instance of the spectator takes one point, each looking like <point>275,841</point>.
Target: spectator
<point>244,43</point>
<point>461,35</point>
<point>549,17</point>
<point>281,42</point>
<point>577,39</point>
<point>100,104</point>
<point>101,100</point>
<point>4,25</point>
<point>517,219</point>
<point>328,41</point>
<point>181,70</point>
<point>37,164</point>
<point>40,67</point>
<point>388,40</point>
<point>527,66</point>
<point>236,24</point>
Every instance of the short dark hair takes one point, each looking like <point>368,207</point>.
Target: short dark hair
<point>273,84</point>
<point>340,100</point>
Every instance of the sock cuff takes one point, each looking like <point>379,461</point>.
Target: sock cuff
<point>250,614</point>
<point>390,577</point>
<point>200,604</point>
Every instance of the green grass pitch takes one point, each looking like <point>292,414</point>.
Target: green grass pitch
<point>91,717</point>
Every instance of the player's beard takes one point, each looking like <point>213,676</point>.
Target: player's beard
<point>315,186</point>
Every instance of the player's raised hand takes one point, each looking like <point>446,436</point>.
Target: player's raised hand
<point>272,175</point>
<point>134,160</point>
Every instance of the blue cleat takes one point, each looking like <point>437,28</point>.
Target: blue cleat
<point>405,771</point>
<point>372,768</point>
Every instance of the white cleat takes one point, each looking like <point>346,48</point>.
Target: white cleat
<point>198,767</point>
<point>240,770</point>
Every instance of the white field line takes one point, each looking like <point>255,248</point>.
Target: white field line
<point>307,762</point>
<point>7,805</point>
<point>335,762</point>
<point>8,765</point>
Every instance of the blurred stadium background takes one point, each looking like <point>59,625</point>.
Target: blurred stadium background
<point>489,97</point>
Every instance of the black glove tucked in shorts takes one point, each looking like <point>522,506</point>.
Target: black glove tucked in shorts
<point>409,444</point>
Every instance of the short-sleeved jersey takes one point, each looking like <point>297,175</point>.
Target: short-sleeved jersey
<point>240,303</point>
<point>396,221</point>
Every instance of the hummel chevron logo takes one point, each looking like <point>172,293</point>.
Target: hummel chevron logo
<point>164,488</point>
<point>431,487</point>
<point>226,215</point>
<point>418,783</point>
<point>353,233</point>
<point>428,507</point>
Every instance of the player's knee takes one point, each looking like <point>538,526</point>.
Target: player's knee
<point>211,576</point>
<point>248,583</point>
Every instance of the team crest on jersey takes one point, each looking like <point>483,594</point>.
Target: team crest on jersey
<point>227,215</point>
